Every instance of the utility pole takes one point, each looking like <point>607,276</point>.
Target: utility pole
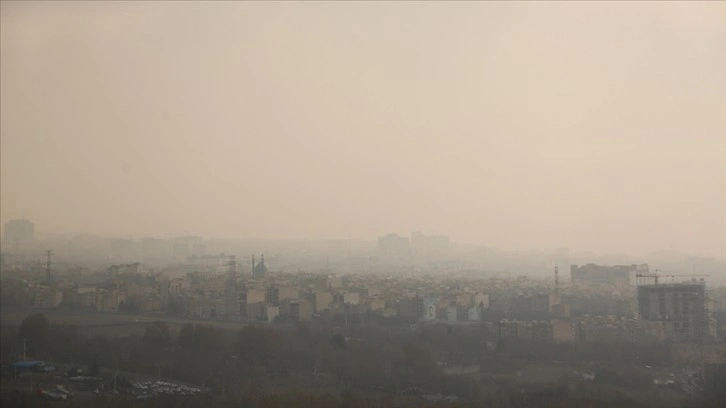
<point>25,344</point>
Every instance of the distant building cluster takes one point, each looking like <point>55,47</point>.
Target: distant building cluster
<point>599,303</point>
<point>394,245</point>
<point>213,287</point>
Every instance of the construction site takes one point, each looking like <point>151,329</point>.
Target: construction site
<point>679,306</point>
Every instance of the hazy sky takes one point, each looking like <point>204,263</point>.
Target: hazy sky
<point>596,126</point>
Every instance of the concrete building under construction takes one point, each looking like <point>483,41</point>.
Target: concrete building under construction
<point>680,307</point>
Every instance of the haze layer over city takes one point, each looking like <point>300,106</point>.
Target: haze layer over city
<point>393,204</point>
<point>593,126</point>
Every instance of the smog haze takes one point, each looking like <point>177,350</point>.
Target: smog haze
<point>595,126</point>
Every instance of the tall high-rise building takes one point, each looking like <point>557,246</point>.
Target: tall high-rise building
<point>18,233</point>
<point>394,245</point>
<point>429,244</point>
<point>681,307</point>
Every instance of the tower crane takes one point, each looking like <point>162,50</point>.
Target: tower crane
<point>686,276</point>
<point>656,275</point>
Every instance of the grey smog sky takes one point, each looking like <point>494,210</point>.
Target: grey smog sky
<point>597,126</point>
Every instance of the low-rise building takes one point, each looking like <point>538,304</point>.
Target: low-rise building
<point>377,304</point>
<point>352,298</point>
<point>256,311</point>
<point>430,306</point>
<point>563,331</point>
<point>296,310</point>
<point>475,313</point>
<point>288,292</point>
<point>108,300</point>
<point>255,295</point>
<point>480,299</point>
<point>323,301</point>
<point>272,313</point>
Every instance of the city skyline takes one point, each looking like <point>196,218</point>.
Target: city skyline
<point>351,204</point>
<point>369,240</point>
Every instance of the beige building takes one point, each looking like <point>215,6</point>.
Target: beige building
<point>178,286</point>
<point>352,298</point>
<point>108,300</point>
<point>480,299</point>
<point>44,297</point>
<point>563,331</point>
<point>464,299</point>
<point>335,282</point>
<point>256,295</point>
<point>288,292</point>
<point>323,301</point>
<point>377,304</point>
